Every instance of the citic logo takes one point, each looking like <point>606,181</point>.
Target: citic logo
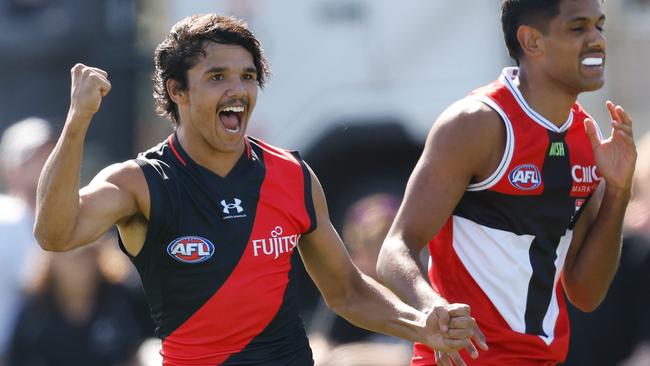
<point>525,177</point>
<point>584,174</point>
<point>191,249</point>
<point>276,244</point>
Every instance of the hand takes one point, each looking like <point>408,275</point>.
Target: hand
<point>89,86</point>
<point>451,328</point>
<point>615,156</point>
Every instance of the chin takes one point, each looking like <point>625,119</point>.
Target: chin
<point>593,85</point>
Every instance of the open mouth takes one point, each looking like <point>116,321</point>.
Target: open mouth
<point>231,117</point>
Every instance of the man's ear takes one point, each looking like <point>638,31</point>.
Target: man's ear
<point>176,93</point>
<point>531,40</point>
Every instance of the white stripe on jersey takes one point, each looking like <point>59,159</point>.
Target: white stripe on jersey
<point>499,262</point>
<point>508,76</point>
<point>554,309</point>
<point>507,153</point>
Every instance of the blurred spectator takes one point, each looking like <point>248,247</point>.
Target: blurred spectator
<point>24,147</point>
<point>333,339</point>
<point>618,332</point>
<point>76,314</point>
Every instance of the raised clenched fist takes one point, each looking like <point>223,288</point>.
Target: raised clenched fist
<point>89,86</point>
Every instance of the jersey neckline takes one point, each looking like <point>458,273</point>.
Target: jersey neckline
<point>508,77</point>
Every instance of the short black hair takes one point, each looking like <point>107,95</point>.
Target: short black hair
<point>515,13</point>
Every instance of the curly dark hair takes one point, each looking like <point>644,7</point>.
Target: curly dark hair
<point>186,42</point>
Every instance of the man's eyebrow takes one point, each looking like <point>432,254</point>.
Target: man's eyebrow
<point>214,70</point>
<point>581,19</point>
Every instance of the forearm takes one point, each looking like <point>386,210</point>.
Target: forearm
<point>398,269</point>
<point>597,261</point>
<point>57,199</point>
<point>371,306</point>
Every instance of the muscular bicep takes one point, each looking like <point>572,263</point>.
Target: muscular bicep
<point>117,193</point>
<point>465,144</point>
<point>323,253</point>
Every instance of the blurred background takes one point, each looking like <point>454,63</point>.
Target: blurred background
<point>356,85</point>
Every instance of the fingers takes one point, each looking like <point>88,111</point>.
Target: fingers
<point>449,359</point>
<point>592,133</point>
<point>443,318</point>
<point>479,338</point>
<point>621,121</point>
<point>471,350</point>
<point>611,107</point>
<point>442,359</point>
<point>458,361</point>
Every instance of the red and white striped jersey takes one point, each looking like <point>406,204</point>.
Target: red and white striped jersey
<point>503,249</point>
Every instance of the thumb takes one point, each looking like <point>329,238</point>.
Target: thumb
<point>443,319</point>
<point>592,134</point>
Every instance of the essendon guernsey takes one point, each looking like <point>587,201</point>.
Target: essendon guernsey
<point>216,264</point>
<point>503,248</point>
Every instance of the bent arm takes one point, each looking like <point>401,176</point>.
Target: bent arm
<point>65,216</point>
<point>596,246</point>
<point>595,250</point>
<point>462,145</point>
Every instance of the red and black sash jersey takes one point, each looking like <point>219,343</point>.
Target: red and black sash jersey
<point>216,264</point>
<point>503,249</point>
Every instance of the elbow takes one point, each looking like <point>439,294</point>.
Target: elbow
<point>384,266</point>
<point>584,301</point>
<point>337,304</point>
<point>342,299</point>
<point>585,298</point>
<point>586,305</point>
<point>48,242</point>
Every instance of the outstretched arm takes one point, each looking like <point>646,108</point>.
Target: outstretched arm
<point>65,217</point>
<point>595,250</point>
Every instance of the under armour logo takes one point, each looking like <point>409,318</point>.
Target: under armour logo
<point>230,206</point>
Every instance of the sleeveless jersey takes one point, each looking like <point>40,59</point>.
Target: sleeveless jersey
<point>216,265</point>
<point>503,249</point>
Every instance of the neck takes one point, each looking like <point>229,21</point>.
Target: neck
<point>545,97</point>
<point>217,161</point>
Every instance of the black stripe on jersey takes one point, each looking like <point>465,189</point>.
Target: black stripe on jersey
<point>543,251</point>
<point>284,341</point>
<point>546,217</point>
<point>309,202</point>
<point>180,289</point>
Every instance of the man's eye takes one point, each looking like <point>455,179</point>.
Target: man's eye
<point>248,77</point>
<point>217,77</point>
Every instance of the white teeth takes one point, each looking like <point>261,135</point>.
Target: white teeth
<point>233,130</point>
<point>235,109</point>
<point>592,61</point>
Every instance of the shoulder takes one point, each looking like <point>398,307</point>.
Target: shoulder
<point>124,174</point>
<point>469,114</point>
<point>126,177</point>
<point>266,148</point>
<point>468,123</point>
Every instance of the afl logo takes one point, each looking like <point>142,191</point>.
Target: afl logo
<point>525,177</point>
<point>191,249</point>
